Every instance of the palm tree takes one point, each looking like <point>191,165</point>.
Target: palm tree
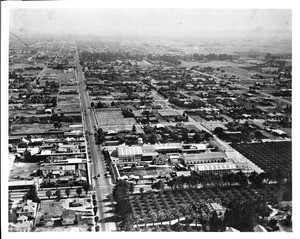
<point>49,194</point>
<point>67,192</point>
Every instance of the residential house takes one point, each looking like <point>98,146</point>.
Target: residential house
<point>68,217</point>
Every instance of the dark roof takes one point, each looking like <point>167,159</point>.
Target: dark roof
<point>68,214</point>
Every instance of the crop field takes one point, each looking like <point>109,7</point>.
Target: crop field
<point>270,156</point>
<point>143,204</point>
<point>114,117</point>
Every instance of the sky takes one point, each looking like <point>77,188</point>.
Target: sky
<point>152,22</point>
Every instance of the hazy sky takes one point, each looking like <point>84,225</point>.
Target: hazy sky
<point>174,22</point>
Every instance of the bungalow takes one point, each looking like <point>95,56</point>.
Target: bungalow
<point>68,217</point>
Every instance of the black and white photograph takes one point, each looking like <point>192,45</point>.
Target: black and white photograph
<point>147,119</point>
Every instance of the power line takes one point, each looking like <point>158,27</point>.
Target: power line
<point>19,39</point>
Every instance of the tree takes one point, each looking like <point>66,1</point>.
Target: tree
<point>79,191</point>
<point>58,194</point>
<point>215,222</point>
<point>197,137</point>
<point>67,192</point>
<point>153,139</point>
<point>92,104</point>
<point>95,209</point>
<point>131,188</point>
<point>142,190</point>
<point>134,129</point>
<point>96,219</point>
<point>49,194</point>
<point>86,188</point>
<point>97,228</point>
<point>32,195</point>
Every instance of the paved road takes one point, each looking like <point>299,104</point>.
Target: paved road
<point>102,185</point>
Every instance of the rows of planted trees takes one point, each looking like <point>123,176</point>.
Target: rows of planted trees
<point>191,205</point>
<point>272,157</point>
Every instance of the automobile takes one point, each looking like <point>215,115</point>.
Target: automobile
<point>94,177</point>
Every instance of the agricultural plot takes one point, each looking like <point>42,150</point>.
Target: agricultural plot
<point>270,156</point>
<point>144,204</point>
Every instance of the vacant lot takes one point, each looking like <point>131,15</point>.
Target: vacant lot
<point>113,117</point>
<point>21,170</point>
<point>68,107</point>
<point>37,128</point>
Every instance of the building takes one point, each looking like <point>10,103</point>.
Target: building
<point>28,209</point>
<point>215,167</point>
<point>129,155</point>
<point>204,158</point>
<point>68,217</point>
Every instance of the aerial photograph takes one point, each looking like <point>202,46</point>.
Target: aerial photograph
<point>149,120</point>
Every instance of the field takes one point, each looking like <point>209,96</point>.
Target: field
<point>67,107</point>
<point>214,64</point>
<point>270,156</point>
<point>113,117</point>
<point>37,128</point>
<point>66,99</point>
<point>21,170</point>
<point>144,204</point>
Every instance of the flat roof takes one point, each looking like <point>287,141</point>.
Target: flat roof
<point>204,156</point>
<point>215,166</point>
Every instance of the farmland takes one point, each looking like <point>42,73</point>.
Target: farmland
<point>270,156</point>
<point>143,203</point>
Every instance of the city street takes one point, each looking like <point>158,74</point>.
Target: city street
<point>103,186</point>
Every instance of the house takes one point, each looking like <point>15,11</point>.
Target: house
<point>161,159</point>
<point>23,226</point>
<point>22,218</point>
<point>219,209</point>
<point>27,209</point>
<point>68,217</point>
